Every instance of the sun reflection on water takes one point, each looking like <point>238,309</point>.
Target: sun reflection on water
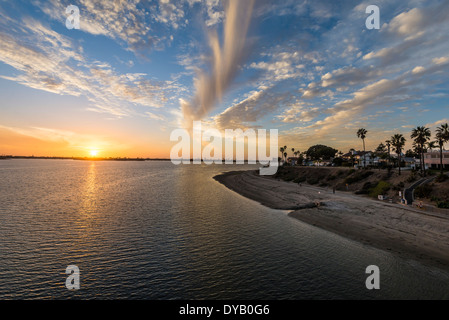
<point>89,193</point>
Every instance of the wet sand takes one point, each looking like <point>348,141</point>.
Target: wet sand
<point>400,229</point>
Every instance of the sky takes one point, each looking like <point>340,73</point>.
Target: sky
<point>137,70</point>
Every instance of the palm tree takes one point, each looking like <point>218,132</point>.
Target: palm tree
<point>431,145</point>
<point>281,149</point>
<point>388,144</point>
<point>398,142</point>
<point>361,133</point>
<point>352,156</point>
<point>421,135</point>
<point>442,136</point>
<point>381,152</point>
<point>381,148</point>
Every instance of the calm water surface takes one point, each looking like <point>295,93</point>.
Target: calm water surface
<point>152,230</point>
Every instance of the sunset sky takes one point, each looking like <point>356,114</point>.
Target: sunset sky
<point>136,70</point>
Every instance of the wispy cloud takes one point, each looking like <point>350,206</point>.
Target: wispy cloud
<point>51,62</point>
<point>245,113</point>
<point>363,84</point>
<point>224,61</point>
<point>123,21</point>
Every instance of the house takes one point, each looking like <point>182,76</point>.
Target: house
<point>432,159</point>
<point>366,158</point>
<point>407,162</point>
<point>410,162</point>
<point>323,163</point>
<point>361,157</point>
<point>294,161</point>
<point>308,163</point>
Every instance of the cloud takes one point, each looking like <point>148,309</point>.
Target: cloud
<point>340,79</point>
<point>397,68</point>
<point>412,37</point>
<point>224,61</point>
<point>126,22</point>
<point>383,92</point>
<point>418,69</point>
<point>283,65</point>
<point>154,116</point>
<point>50,62</point>
<point>169,13</point>
<point>215,12</point>
<point>299,112</point>
<point>434,125</point>
<point>258,104</point>
<point>408,24</point>
<point>441,60</point>
<point>418,21</point>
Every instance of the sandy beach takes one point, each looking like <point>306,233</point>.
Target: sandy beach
<point>396,228</point>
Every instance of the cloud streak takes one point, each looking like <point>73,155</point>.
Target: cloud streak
<point>48,61</point>
<point>225,61</point>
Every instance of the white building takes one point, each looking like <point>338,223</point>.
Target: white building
<point>432,159</point>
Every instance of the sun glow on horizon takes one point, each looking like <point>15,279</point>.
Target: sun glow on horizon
<point>93,152</point>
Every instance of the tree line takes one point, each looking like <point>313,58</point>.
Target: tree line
<point>422,142</point>
<point>420,135</point>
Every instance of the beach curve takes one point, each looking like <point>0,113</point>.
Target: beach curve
<point>395,228</point>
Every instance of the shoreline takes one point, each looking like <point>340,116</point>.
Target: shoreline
<point>394,228</point>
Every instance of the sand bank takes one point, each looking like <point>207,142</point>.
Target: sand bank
<point>393,227</point>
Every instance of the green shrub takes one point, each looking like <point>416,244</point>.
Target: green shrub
<point>399,186</point>
<point>368,185</point>
<point>381,188</point>
<point>423,191</point>
<point>365,189</point>
<point>443,204</point>
<point>341,187</point>
<point>359,176</point>
<point>441,178</point>
<point>300,179</point>
<point>312,180</point>
<point>412,177</point>
<point>389,172</point>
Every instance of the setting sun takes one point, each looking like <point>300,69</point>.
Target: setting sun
<point>93,153</point>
